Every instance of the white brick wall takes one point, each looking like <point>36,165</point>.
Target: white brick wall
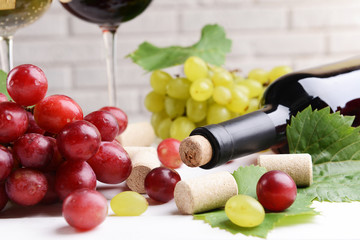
<point>265,33</point>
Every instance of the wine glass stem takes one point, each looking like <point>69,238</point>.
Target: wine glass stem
<point>110,51</point>
<point>6,53</point>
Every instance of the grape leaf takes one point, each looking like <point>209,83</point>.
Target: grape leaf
<point>212,48</point>
<point>335,149</point>
<point>218,218</point>
<point>3,90</point>
<point>335,182</point>
<point>247,178</point>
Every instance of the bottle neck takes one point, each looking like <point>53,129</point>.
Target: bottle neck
<point>244,135</point>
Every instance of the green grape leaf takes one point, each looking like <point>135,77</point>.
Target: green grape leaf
<point>212,48</point>
<point>3,90</point>
<point>247,178</point>
<point>335,149</point>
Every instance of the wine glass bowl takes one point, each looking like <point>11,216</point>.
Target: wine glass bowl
<point>106,12</point>
<point>15,14</point>
<point>25,12</point>
<point>108,15</point>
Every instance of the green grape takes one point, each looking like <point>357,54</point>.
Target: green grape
<point>163,128</point>
<point>222,95</point>
<point>174,107</point>
<point>217,114</point>
<point>253,105</point>
<point>201,89</point>
<point>159,80</point>
<point>195,68</point>
<point>242,88</point>
<point>238,78</point>
<point>202,123</point>
<point>129,203</point>
<point>239,101</point>
<point>213,70</point>
<point>156,118</point>
<point>181,128</point>
<point>178,88</point>
<point>244,211</point>
<point>278,71</point>
<point>223,78</point>
<point>154,102</point>
<point>259,75</point>
<point>255,88</point>
<point>196,111</point>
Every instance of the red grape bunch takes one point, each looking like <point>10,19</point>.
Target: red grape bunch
<point>50,152</point>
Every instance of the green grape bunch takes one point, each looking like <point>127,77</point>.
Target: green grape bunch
<point>206,94</point>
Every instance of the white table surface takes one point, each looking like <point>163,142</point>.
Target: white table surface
<point>163,221</point>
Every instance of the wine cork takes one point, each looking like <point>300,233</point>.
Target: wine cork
<point>204,193</point>
<point>143,162</point>
<point>195,151</point>
<point>132,150</point>
<point>137,134</point>
<point>298,166</point>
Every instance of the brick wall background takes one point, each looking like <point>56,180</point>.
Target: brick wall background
<point>265,33</point>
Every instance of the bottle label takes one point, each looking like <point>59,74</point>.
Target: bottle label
<point>7,4</point>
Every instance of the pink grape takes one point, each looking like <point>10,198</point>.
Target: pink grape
<point>54,112</point>
<point>120,116</point>
<point>85,209</point>
<point>6,163</point>
<point>3,196</point>
<point>276,191</point>
<point>111,163</point>
<point>105,122</point>
<point>26,186</point>
<point>78,141</point>
<point>13,121</point>
<point>168,153</point>
<point>73,175</point>
<point>33,150</point>
<point>26,84</point>
<point>160,184</point>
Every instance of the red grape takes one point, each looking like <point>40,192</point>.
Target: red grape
<point>168,153</point>
<point>26,84</point>
<point>160,183</point>
<point>33,150</point>
<point>51,196</point>
<point>3,196</point>
<point>33,127</point>
<point>85,209</point>
<point>120,116</point>
<point>13,121</point>
<point>54,112</point>
<point>111,163</point>
<point>78,140</point>
<point>56,159</point>
<point>3,98</point>
<point>73,175</point>
<point>276,191</point>
<point>105,122</point>
<point>6,163</point>
<point>26,186</point>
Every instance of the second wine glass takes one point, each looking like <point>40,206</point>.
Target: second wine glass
<point>108,14</point>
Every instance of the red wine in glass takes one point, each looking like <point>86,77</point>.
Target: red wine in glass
<point>108,14</point>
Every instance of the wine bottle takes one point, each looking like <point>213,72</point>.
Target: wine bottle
<point>335,85</point>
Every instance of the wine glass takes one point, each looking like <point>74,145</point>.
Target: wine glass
<point>15,14</point>
<point>108,14</point>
